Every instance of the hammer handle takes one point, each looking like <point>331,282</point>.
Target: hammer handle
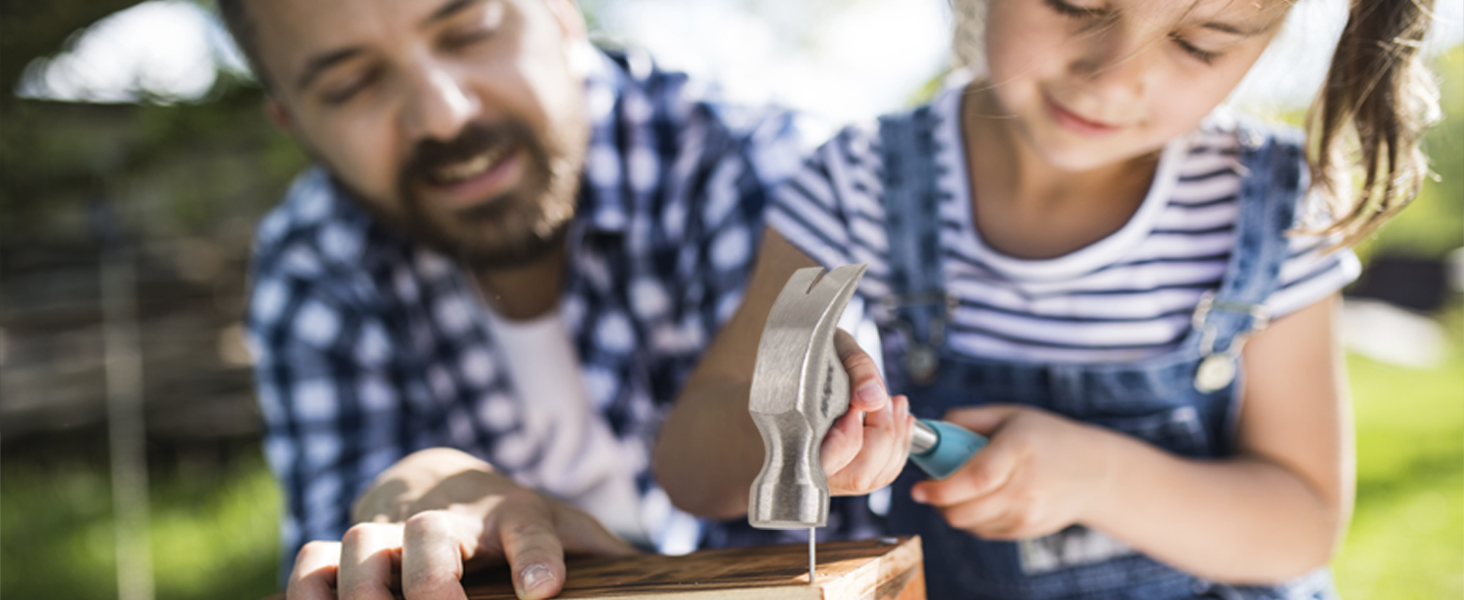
<point>940,448</point>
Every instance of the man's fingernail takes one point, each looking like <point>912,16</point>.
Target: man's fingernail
<point>871,393</point>
<point>536,576</point>
<point>918,495</point>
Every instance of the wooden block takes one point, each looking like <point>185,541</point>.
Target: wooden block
<point>882,569</point>
<point>885,569</point>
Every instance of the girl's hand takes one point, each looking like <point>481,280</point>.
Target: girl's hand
<point>1039,474</point>
<point>867,447</point>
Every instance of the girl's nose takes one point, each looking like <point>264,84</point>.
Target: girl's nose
<point>1118,65</point>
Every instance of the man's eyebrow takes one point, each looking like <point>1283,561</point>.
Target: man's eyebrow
<point>451,8</point>
<point>319,63</point>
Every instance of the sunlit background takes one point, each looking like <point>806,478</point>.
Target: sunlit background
<point>135,160</point>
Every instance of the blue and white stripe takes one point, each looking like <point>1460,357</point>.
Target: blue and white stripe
<point>1127,296</point>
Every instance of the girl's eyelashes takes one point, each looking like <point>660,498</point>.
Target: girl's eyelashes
<point>1082,12</point>
<point>1072,10</point>
<point>1196,52</point>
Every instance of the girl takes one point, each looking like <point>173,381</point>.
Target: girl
<point>1132,296</point>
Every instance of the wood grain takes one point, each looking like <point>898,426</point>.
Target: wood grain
<point>883,569</point>
<point>880,569</point>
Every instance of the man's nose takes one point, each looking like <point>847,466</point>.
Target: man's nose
<point>1119,65</point>
<point>438,104</point>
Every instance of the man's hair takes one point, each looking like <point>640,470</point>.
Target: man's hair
<point>241,27</point>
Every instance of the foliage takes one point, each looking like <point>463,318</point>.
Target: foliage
<point>215,533</point>
<point>210,167</point>
<point>30,29</point>
<point>1434,224</point>
<point>1407,536</point>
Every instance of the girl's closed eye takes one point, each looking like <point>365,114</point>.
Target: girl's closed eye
<point>1206,56</point>
<point>1075,10</point>
<point>1078,10</point>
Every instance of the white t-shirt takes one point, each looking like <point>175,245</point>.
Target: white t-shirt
<point>583,463</point>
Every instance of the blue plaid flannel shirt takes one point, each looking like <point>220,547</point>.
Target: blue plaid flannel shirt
<point>369,348</point>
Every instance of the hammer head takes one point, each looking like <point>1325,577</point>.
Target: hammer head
<point>798,388</point>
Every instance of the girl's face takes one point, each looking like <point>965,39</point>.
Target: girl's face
<point>1089,83</point>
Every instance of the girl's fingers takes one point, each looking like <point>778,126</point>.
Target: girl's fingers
<point>985,517</point>
<point>986,472</point>
<point>866,390</point>
<point>314,575</point>
<point>903,422</point>
<point>842,443</point>
<point>885,443</point>
<point>984,420</point>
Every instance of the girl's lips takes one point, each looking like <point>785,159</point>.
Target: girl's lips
<point>1076,124</point>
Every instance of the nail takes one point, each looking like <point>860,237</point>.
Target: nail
<point>535,576</point>
<point>918,495</point>
<point>871,393</point>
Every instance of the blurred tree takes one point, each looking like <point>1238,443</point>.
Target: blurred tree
<point>30,29</point>
<point>1434,224</point>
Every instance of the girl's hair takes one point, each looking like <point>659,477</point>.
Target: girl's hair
<point>1377,100</point>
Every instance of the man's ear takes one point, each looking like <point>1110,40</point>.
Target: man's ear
<point>571,21</point>
<point>279,115</point>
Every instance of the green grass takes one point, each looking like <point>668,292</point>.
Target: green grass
<point>1407,536</point>
<point>214,528</point>
<point>214,533</point>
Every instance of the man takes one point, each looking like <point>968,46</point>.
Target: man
<point>513,245</point>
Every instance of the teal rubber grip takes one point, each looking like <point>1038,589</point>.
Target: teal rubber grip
<point>954,446</point>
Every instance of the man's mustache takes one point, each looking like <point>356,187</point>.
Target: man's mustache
<point>431,155</point>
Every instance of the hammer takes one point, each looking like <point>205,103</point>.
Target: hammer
<point>799,387</point>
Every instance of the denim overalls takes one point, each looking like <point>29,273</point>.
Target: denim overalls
<point>1158,399</point>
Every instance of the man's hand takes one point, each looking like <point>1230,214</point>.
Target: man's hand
<point>867,447</point>
<point>437,514</point>
<point>1039,474</point>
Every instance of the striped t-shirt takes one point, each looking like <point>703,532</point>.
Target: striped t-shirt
<point>1127,296</point>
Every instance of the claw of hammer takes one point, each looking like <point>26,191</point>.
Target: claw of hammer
<point>799,387</point>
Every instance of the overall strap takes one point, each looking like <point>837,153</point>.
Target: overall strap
<point>918,302</point>
<point>1271,184</point>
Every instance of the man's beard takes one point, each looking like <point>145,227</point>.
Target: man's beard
<point>516,228</point>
